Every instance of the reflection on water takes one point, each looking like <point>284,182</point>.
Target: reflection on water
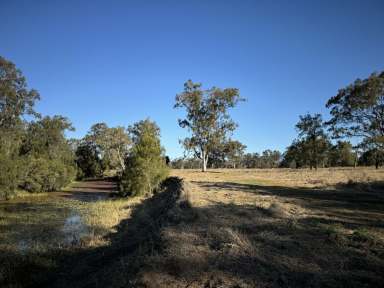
<point>74,229</point>
<point>70,234</point>
<point>23,246</point>
<point>46,221</point>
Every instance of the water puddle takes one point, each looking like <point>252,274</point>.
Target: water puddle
<point>74,229</point>
<point>23,246</point>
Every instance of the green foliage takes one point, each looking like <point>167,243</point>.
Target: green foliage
<point>48,160</point>
<point>15,101</point>
<point>207,117</point>
<point>112,144</point>
<point>88,161</point>
<point>295,156</point>
<point>186,163</point>
<point>267,159</point>
<point>372,157</point>
<point>341,154</point>
<point>145,165</point>
<point>15,98</point>
<point>358,111</point>
<point>228,153</point>
<point>46,175</point>
<point>8,176</point>
<point>314,142</point>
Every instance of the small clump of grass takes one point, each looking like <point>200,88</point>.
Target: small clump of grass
<point>335,233</point>
<point>364,236</point>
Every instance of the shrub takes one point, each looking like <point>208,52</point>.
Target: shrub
<point>44,175</point>
<point>8,176</point>
<point>88,161</point>
<point>145,166</point>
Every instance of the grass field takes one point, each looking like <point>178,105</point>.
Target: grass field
<point>227,228</point>
<point>276,228</point>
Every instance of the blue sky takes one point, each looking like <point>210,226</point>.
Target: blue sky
<point>122,61</point>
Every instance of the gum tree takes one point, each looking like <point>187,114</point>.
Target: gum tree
<point>313,137</point>
<point>207,117</point>
<point>358,111</point>
<point>16,101</point>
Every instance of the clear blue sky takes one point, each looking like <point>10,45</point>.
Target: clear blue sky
<point>122,61</point>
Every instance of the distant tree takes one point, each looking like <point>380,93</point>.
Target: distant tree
<point>315,143</point>
<point>167,161</point>
<point>88,160</point>
<point>186,163</point>
<point>269,159</point>
<point>358,111</point>
<point>372,157</point>
<point>249,160</point>
<point>112,144</point>
<point>295,155</point>
<point>145,165</point>
<point>234,151</point>
<point>207,117</point>
<point>341,154</point>
<point>225,154</point>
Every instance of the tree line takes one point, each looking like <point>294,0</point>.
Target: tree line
<point>36,156</point>
<point>357,112</point>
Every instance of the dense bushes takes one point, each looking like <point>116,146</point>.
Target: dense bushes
<point>48,161</point>
<point>145,166</point>
<point>44,175</point>
<point>34,155</point>
<point>8,176</point>
<point>88,161</point>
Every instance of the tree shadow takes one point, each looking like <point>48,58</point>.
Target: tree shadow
<point>359,204</point>
<point>221,245</point>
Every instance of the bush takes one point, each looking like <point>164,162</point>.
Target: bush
<point>145,166</point>
<point>8,176</point>
<point>88,161</point>
<point>44,175</point>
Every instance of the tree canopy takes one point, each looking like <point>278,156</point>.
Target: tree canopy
<point>358,111</point>
<point>207,117</point>
<point>145,164</point>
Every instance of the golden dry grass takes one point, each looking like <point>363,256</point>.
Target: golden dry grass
<point>323,177</point>
<point>275,228</point>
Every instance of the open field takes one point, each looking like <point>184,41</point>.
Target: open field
<point>276,228</point>
<point>223,228</point>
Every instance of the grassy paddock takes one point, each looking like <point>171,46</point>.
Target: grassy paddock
<point>276,228</point>
<point>321,177</point>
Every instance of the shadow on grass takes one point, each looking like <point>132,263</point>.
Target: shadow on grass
<point>223,245</point>
<point>356,203</point>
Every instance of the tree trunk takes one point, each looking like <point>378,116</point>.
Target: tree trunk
<point>121,160</point>
<point>205,160</point>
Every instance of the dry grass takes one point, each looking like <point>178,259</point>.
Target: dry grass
<point>275,228</point>
<point>322,177</point>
